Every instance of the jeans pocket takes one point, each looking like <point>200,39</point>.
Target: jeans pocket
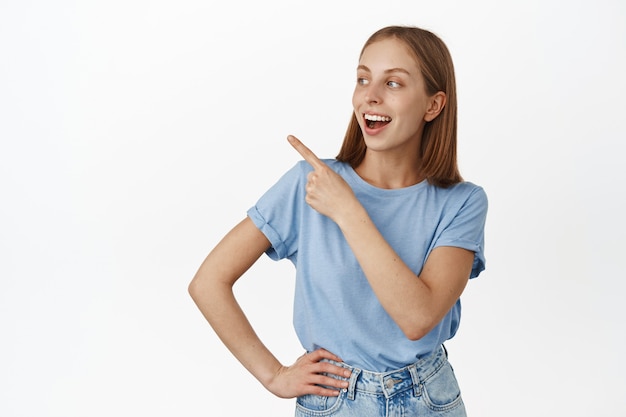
<point>317,405</point>
<point>441,390</point>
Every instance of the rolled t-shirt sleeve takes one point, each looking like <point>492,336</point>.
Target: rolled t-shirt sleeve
<point>277,213</point>
<point>466,229</point>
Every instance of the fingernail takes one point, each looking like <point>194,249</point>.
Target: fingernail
<point>347,373</point>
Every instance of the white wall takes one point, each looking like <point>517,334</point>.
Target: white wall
<point>134,134</point>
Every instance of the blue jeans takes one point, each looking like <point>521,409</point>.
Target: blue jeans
<point>425,388</point>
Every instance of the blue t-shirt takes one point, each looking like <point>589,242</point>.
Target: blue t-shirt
<point>334,305</point>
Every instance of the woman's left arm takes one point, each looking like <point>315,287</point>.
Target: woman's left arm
<point>416,303</point>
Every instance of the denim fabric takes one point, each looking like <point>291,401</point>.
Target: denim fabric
<point>425,388</point>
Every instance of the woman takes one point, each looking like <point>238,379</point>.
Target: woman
<point>384,239</point>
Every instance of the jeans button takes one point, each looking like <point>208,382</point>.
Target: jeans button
<point>389,383</point>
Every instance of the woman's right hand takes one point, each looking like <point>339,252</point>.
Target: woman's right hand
<point>326,191</point>
<point>305,376</point>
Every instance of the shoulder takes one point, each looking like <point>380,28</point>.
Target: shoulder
<point>303,166</point>
<point>467,191</point>
<point>464,197</point>
<point>472,201</point>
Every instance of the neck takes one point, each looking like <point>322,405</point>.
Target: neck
<point>388,171</point>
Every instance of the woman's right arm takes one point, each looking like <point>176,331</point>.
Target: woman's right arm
<point>212,291</point>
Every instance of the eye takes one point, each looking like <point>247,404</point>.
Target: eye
<point>393,84</point>
<point>361,80</point>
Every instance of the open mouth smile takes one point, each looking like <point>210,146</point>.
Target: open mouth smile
<point>374,121</point>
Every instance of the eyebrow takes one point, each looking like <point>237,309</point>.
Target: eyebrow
<point>387,71</point>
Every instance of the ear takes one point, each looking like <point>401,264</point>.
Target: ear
<point>436,105</point>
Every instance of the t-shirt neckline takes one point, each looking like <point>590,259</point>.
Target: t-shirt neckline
<point>356,180</point>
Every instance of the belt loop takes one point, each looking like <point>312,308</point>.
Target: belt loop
<point>417,385</point>
<point>352,383</point>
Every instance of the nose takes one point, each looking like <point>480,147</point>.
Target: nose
<point>372,94</point>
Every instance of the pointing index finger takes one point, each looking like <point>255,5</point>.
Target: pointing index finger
<point>306,153</point>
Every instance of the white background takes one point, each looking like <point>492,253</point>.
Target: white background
<point>135,134</point>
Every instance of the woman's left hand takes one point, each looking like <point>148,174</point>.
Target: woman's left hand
<point>326,191</point>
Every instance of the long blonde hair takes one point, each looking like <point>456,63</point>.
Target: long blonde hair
<point>438,145</point>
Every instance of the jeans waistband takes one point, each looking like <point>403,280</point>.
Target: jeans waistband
<point>399,380</point>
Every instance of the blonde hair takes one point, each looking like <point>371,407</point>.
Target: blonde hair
<point>438,145</point>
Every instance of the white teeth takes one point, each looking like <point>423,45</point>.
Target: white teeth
<point>376,118</point>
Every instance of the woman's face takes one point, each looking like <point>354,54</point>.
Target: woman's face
<point>390,100</point>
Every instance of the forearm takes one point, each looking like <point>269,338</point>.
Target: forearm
<point>405,297</point>
<point>212,291</point>
<point>219,306</point>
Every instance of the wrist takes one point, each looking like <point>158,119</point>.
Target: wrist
<point>352,215</point>
<point>268,375</point>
